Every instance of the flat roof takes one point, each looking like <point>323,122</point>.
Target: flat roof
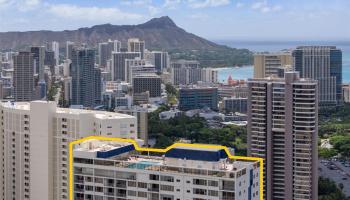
<point>97,114</point>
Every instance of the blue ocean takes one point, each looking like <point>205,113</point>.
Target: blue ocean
<point>259,46</point>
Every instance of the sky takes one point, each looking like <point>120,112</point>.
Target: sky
<point>272,20</point>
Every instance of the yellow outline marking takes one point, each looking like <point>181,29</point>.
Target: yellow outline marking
<point>137,148</point>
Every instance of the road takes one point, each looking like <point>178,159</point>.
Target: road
<point>337,175</point>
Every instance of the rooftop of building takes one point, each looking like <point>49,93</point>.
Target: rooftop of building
<point>182,61</point>
<point>147,75</point>
<point>98,114</point>
<point>279,53</point>
<point>293,76</point>
<point>116,151</point>
<point>316,47</point>
<point>196,87</point>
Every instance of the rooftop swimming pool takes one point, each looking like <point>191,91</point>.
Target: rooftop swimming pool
<point>142,164</point>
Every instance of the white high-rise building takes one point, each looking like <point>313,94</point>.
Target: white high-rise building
<point>137,66</point>
<point>69,48</point>
<point>136,45</point>
<point>118,64</point>
<point>210,75</point>
<point>56,50</point>
<point>184,72</point>
<point>34,145</point>
<point>105,170</point>
<point>160,59</point>
<point>117,45</point>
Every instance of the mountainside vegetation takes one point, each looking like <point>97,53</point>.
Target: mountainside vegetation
<point>158,33</point>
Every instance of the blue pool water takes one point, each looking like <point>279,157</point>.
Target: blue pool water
<point>142,164</point>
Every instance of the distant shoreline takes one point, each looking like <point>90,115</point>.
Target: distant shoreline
<point>230,67</point>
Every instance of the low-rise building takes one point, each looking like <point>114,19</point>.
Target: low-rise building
<point>346,93</point>
<point>165,115</point>
<point>198,97</point>
<point>234,104</point>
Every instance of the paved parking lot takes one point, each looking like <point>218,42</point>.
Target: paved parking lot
<point>340,174</point>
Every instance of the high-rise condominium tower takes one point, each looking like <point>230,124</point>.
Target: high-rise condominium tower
<point>272,64</point>
<point>56,50</point>
<point>137,66</point>
<point>69,48</point>
<point>118,64</point>
<point>34,142</point>
<point>184,72</point>
<point>84,80</point>
<point>324,64</point>
<point>160,59</point>
<point>282,129</point>
<point>136,45</point>
<point>23,76</point>
<point>105,50</point>
<point>39,58</point>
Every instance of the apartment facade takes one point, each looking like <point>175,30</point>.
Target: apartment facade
<point>23,76</point>
<point>86,79</point>
<point>147,83</point>
<point>282,129</point>
<point>136,45</point>
<point>39,58</point>
<point>105,50</point>
<point>346,93</point>
<point>234,104</point>
<point>197,98</point>
<point>137,66</point>
<point>184,72</point>
<point>118,69</point>
<point>69,48</point>
<point>324,64</point>
<point>34,145</point>
<point>272,64</point>
<point>141,114</point>
<point>114,170</point>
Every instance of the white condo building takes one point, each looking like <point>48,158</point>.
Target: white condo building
<point>34,141</point>
<point>115,170</point>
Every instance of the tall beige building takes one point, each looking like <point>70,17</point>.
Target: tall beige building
<point>272,64</point>
<point>34,141</point>
<point>282,129</point>
<point>136,45</point>
<point>141,114</point>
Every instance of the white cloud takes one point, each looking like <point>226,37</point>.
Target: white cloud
<point>199,16</point>
<point>5,3</point>
<point>154,10</point>
<point>21,5</point>
<point>264,7</point>
<point>32,2</point>
<point>136,2</point>
<point>171,4</point>
<point>239,5</point>
<point>96,14</point>
<point>207,3</point>
<point>27,5</point>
